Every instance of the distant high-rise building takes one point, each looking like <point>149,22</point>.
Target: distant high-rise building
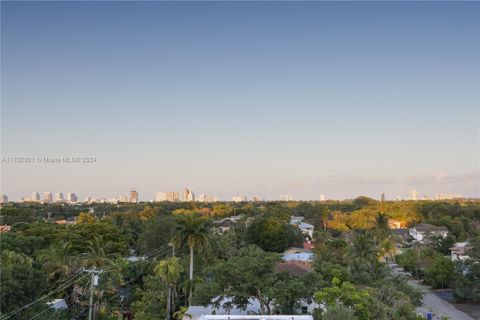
<point>239,198</point>
<point>133,196</point>
<point>35,197</point>
<point>72,197</point>
<point>382,197</point>
<point>161,196</point>
<point>59,197</point>
<point>446,196</point>
<point>257,198</point>
<point>4,198</point>
<point>47,197</point>
<point>413,195</point>
<point>188,195</point>
<point>171,196</point>
<point>322,197</point>
<point>207,198</point>
<point>123,198</point>
<point>286,197</point>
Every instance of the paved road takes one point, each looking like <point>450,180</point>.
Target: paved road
<point>433,303</point>
<point>438,306</point>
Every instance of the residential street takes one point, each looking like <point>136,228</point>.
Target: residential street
<point>433,303</point>
<point>438,306</point>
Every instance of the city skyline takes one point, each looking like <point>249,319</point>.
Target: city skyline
<point>265,98</point>
<point>174,196</point>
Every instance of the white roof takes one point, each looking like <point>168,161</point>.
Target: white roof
<point>252,307</point>
<point>304,225</point>
<point>259,317</point>
<point>301,256</point>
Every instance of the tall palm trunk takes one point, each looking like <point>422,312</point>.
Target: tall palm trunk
<point>191,277</point>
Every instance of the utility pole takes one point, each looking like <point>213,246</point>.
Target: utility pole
<point>170,289</point>
<point>93,283</point>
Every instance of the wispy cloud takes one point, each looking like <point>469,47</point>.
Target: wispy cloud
<point>436,178</point>
<point>443,178</point>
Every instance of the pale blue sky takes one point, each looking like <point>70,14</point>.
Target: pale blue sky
<point>229,98</point>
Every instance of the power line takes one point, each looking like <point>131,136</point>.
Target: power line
<point>66,297</point>
<point>40,313</point>
<point>73,280</point>
<point>152,253</point>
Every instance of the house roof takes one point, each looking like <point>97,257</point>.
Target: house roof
<point>303,225</point>
<point>294,268</point>
<point>308,245</point>
<point>253,306</point>
<point>426,227</point>
<point>460,247</point>
<point>300,256</point>
<point>227,222</point>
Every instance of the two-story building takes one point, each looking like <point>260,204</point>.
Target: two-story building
<point>423,230</point>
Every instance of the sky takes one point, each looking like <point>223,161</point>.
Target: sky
<point>252,98</point>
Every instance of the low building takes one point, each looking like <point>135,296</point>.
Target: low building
<point>225,309</point>
<point>458,251</point>
<point>71,220</point>
<point>295,268</point>
<point>308,245</point>
<point>225,224</point>
<point>306,228</point>
<point>297,254</point>
<point>423,230</point>
<point>255,317</point>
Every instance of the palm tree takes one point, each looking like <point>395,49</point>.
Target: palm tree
<point>97,256</point>
<point>191,231</point>
<point>57,260</point>
<point>382,230</point>
<point>169,271</point>
<point>362,256</point>
<point>388,250</point>
<point>324,216</point>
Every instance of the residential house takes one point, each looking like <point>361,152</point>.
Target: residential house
<point>458,251</point>
<point>306,228</point>
<point>423,230</point>
<point>224,225</point>
<point>295,268</point>
<point>308,245</point>
<point>297,254</point>
<point>227,310</point>
<point>71,220</point>
<point>255,317</point>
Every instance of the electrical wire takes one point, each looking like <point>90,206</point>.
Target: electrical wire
<point>155,252</point>
<point>65,285</point>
